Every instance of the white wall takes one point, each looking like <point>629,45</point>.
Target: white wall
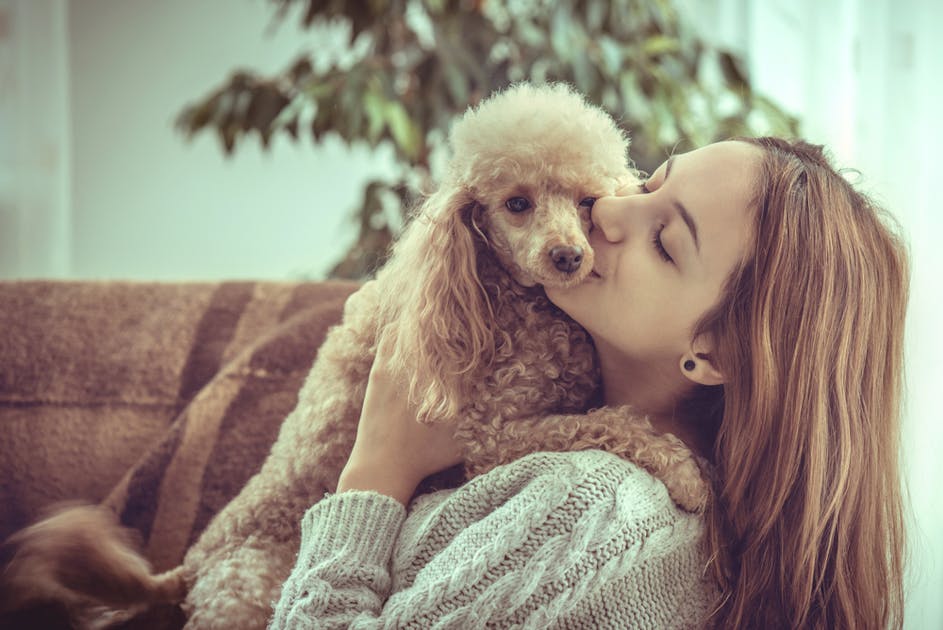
<point>145,203</point>
<point>34,139</point>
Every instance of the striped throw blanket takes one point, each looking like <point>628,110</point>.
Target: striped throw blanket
<point>159,400</point>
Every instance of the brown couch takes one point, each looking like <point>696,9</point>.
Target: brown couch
<point>158,399</point>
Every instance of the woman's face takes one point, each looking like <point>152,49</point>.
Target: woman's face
<point>663,255</point>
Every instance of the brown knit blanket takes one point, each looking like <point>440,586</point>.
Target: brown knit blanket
<point>159,400</point>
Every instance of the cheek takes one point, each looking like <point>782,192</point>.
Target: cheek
<point>610,313</point>
<point>645,299</point>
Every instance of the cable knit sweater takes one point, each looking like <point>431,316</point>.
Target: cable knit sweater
<point>569,540</point>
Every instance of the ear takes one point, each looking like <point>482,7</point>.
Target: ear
<point>451,331</point>
<point>704,371</point>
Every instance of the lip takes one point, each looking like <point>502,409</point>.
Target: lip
<point>594,274</point>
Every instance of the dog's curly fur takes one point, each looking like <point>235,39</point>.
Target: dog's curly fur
<point>475,337</point>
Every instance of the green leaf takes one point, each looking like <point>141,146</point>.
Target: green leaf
<point>634,102</point>
<point>595,14</point>
<point>611,54</point>
<point>560,38</point>
<point>661,45</point>
<point>318,90</point>
<point>529,35</point>
<point>584,73</point>
<point>405,133</point>
<point>374,107</point>
<point>321,123</point>
<point>457,82</point>
<point>540,71</point>
<point>732,68</point>
<point>435,7</point>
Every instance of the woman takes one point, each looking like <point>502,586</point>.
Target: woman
<point>748,301</point>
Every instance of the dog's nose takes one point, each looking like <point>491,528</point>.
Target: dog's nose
<point>567,258</point>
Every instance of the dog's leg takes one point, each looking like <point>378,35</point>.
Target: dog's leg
<point>236,569</point>
<point>616,430</point>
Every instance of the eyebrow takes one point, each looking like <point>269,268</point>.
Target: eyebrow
<point>685,215</point>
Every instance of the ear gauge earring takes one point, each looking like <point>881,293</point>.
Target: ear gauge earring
<point>689,365</point>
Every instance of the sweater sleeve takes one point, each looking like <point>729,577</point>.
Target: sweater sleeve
<point>342,572</point>
<point>581,540</point>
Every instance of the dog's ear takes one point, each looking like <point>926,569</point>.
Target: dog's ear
<point>446,326</point>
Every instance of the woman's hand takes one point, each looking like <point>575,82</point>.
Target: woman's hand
<point>393,452</point>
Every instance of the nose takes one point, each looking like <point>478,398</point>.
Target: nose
<point>609,216</point>
<point>567,258</point>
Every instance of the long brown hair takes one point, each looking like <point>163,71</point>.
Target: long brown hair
<point>807,527</point>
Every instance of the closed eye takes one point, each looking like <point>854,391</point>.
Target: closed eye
<point>659,246</point>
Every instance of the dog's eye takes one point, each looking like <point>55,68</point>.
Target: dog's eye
<point>588,202</point>
<point>517,204</point>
